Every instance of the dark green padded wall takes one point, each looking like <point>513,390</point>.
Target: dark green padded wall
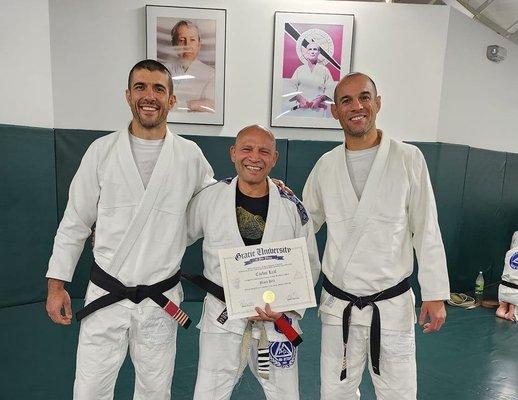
<point>476,193</point>
<point>448,184</point>
<point>28,204</point>
<point>481,239</point>
<point>72,144</point>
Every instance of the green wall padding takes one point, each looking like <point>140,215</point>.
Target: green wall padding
<point>481,240</point>
<point>476,194</point>
<point>28,212</point>
<point>447,166</point>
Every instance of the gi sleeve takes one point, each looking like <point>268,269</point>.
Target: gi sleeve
<point>308,233</point>
<point>204,172</point>
<point>312,199</point>
<point>426,239</point>
<point>80,214</point>
<point>195,216</point>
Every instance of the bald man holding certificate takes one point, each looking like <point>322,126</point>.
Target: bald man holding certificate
<point>249,223</point>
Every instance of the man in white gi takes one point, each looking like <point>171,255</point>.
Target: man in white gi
<point>135,185</point>
<point>247,210</point>
<point>375,195</point>
<point>194,80</point>
<point>508,289</point>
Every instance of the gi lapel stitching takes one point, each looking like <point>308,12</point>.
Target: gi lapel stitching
<point>364,208</point>
<point>162,168</point>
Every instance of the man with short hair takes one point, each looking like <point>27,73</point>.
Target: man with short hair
<point>194,80</point>
<point>135,185</point>
<point>247,210</point>
<point>375,195</point>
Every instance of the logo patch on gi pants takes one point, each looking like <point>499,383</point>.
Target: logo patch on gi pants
<point>513,262</point>
<point>282,354</point>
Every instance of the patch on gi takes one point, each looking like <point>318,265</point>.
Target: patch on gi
<point>223,316</point>
<point>228,181</point>
<point>282,354</point>
<point>287,319</point>
<point>513,262</point>
<point>303,214</point>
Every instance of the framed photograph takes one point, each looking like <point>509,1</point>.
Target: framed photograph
<point>312,52</point>
<point>190,42</point>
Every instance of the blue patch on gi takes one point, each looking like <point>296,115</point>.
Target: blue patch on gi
<point>513,262</point>
<point>282,354</point>
<point>286,318</point>
<point>303,214</point>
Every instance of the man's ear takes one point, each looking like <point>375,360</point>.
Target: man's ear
<point>171,101</point>
<point>232,153</point>
<point>334,111</point>
<point>276,157</point>
<point>378,102</point>
<point>128,96</point>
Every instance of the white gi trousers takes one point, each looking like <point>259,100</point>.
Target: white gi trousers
<point>104,338</point>
<point>219,369</point>
<point>398,379</point>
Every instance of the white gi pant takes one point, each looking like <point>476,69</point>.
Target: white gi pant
<point>398,379</point>
<point>104,337</point>
<point>219,369</point>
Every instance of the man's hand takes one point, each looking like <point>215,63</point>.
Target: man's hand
<point>59,307</point>
<point>319,101</point>
<point>265,315</point>
<point>281,185</point>
<point>436,313</point>
<point>201,106</point>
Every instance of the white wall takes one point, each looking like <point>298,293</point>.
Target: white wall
<point>479,103</point>
<point>25,67</point>
<point>94,44</point>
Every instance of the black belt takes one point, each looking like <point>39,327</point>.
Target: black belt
<point>509,284</point>
<point>361,302</point>
<point>117,292</point>
<point>217,291</point>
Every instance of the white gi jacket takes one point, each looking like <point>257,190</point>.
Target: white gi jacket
<point>107,189</point>
<point>212,215</point>
<point>201,87</point>
<point>369,242</point>
<point>510,274</point>
<point>311,84</point>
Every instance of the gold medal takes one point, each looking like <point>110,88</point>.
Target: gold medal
<point>268,297</point>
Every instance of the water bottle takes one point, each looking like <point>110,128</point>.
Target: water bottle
<point>479,288</point>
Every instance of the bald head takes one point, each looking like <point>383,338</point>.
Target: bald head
<point>256,129</point>
<point>349,77</point>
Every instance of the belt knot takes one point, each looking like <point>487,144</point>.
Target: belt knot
<point>137,293</point>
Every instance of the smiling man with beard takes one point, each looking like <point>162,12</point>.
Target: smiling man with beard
<point>135,185</point>
<point>375,195</point>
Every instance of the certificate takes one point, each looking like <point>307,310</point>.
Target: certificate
<point>276,273</point>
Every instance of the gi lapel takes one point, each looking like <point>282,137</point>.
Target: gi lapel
<point>148,197</point>
<point>128,167</point>
<point>230,200</point>
<point>273,212</point>
<point>364,206</point>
